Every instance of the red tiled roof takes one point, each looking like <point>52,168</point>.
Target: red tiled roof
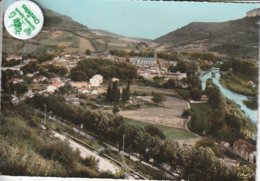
<point>244,145</point>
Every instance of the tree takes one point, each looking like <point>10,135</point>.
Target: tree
<point>128,133</point>
<point>19,88</point>
<point>78,75</point>
<point>115,109</point>
<point>124,96</point>
<point>225,66</point>
<point>214,95</point>
<point>126,93</point>
<point>158,98</point>
<point>195,94</point>
<point>186,113</point>
<point>88,52</point>
<point>109,91</point>
<point>201,164</point>
<point>170,84</point>
<point>142,140</point>
<point>57,70</point>
<point>167,153</point>
<point>209,143</point>
<point>180,67</point>
<point>194,81</point>
<point>215,121</point>
<point>153,131</point>
<point>6,102</point>
<point>108,68</point>
<point>30,67</point>
<point>66,88</point>
<point>113,92</point>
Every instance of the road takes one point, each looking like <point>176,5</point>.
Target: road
<point>103,164</point>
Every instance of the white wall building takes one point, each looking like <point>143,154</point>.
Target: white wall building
<point>144,61</point>
<point>96,81</point>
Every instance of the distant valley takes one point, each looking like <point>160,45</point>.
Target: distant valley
<point>61,33</point>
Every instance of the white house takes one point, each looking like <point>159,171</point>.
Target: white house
<point>173,63</point>
<point>29,75</point>
<point>29,93</point>
<point>13,57</point>
<point>16,80</point>
<point>84,91</point>
<point>54,87</point>
<point>114,79</point>
<point>94,92</point>
<point>39,79</point>
<point>55,79</point>
<point>51,89</point>
<point>96,81</point>
<point>176,76</point>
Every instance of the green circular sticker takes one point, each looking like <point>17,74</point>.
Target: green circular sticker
<point>23,19</point>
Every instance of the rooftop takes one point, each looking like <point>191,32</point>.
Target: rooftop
<point>244,145</point>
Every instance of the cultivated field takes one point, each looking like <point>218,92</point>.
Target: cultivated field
<point>149,90</point>
<point>85,44</point>
<point>168,114</point>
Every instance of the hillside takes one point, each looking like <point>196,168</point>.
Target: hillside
<point>62,33</point>
<point>234,38</point>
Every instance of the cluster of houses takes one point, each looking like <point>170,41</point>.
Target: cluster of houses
<point>65,60</point>
<point>241,148</point>
<point>92,87</point>
<point>245,150</point>
<point>82,87</point>
<point>150,67</point>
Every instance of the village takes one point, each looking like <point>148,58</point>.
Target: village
<point>147,67</point>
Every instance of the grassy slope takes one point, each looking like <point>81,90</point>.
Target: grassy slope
<point>26,149</point>
<point>169,132</point>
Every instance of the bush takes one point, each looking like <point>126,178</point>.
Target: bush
<point>59,151</point>
<point>186,113</point>
<point>158,98</point>
<point>153,131</point>
<point>90,161</point>
<point>195,94</point>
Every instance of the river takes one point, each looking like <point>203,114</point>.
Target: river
<point>237,98</point>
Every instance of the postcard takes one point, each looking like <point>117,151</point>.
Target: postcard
<point>135,90</point>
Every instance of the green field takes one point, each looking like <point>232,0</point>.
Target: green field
<point>169,132</point>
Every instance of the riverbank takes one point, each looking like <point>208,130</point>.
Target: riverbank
<point>237,84</point>
<point>237,98</point>
<point>251,104</point>
<point>224,122</point>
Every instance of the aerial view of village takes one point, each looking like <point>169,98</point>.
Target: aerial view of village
<point>95,95</point>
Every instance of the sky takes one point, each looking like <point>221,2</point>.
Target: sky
<point>143,19</point>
